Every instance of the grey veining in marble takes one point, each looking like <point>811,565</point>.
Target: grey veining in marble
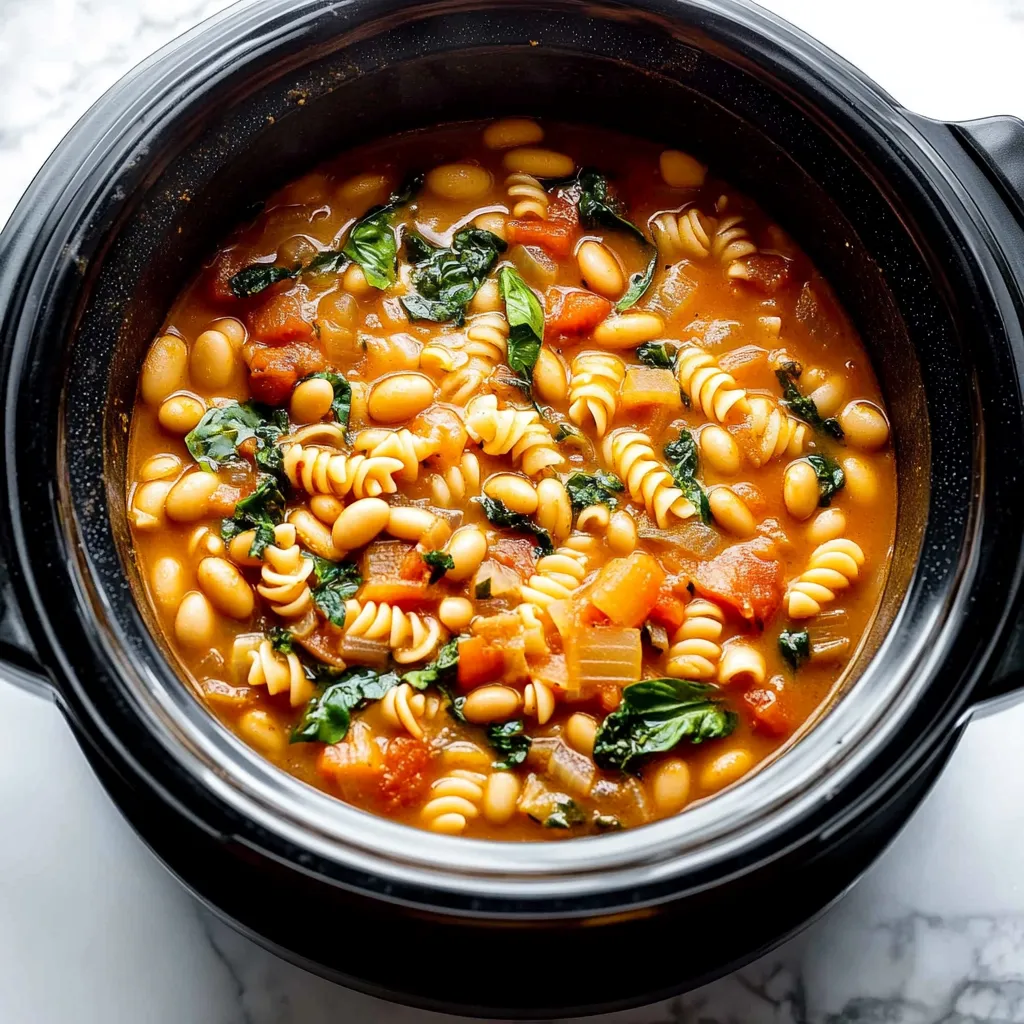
<point>93,931</point>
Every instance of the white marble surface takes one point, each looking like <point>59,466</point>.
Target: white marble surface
<point>93,930</point>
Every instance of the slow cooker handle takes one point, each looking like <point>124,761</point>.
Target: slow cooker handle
<point>997,143</point>
<point>18,661</point>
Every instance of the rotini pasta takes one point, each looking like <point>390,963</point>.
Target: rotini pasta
<point>322,471</point>
<point>557,576</point>
<point>731,240</point>
<point>741,664</point>
<point>527,197</point>
<point>539,701</point>
<point>594,389</point>
<point>279,673</point>
<point>695,649</point>
<point>410,449</point>
<point>412,637</point>
<point>516,431</point>
<point>454,800</point>
<point>774,432</point>
<point>402,707</point>
<point>687,235</point>
<point>631,455</point>
<point>457,484</point>
<point>284,575</point>
<point>711,390</point>
<point>833,566</point>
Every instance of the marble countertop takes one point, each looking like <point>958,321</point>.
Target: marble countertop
<point>92,929</point>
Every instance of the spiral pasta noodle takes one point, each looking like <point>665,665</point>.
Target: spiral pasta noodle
<point>731,240</point>
<point>686,235</point>
<point>410,449</point>
<point>411,636</point>
<point>527,197</point>
<point>279,673</point>
<point>557,576</point>
<point>487,338</point>
<point>323,471</point>
<point>284,575</point>
<point>631,455</point>
<point>774,432</point>
<point>519,431</point>
<point>594,389</point>
<point>402,707</point>
<point>458,483</point>
<point>833,566</point>
<point>454,800</point>
<point>439,357</point>
<point>711,390</point>
<point>695,650</point>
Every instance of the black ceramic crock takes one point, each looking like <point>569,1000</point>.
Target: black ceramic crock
<point>916,223</point>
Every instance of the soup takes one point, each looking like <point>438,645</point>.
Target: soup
<point>512,481</point>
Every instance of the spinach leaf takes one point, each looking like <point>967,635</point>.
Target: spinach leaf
<point>568,434</point>
<point>372,244</point>
<point>215,438</point>
<point>525,322</point>
<point>803,407</point>
<point>256,277</point>
<point>639,283</point>
<point>682,456</point>
<point>795,646</point>
<point>607,823</point>
<point>270,458</point>
<point>260,511</point>
<point>446,279</point>
<point>657,714</point>
<point>500,514</point>
<point>599,208</point>
<point>565,815</point>
<point>509,740</point>
<point>440,672</point>
<point>327,716</point>
<point>341,407</point>
<point>334,583</point>
<point>439,563</point>
<point>831,478</point>
<point>281,639</point>
<point>330,261</point>
<point>599,489</point>
<point>659,354</point>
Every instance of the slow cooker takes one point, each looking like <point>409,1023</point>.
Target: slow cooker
<point>916,223</point>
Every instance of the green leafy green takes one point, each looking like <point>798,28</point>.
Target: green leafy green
<point>565,815</point>
<point>333,584</point>
<point>509,740</point>
<point>215,438</point>
<point>341,406</point>
<point>372,244</point>
<point>831,478</point>
<point>803,407</point>
<point>568,434</point>
<point>440,562</point>
<point>607,823</point>
<point>255,278</point>
<point>260,511</point>
<point>446,279</point>
<point>501,515</point>
<point>482,591</point>
<point>440,672</point>
<point>659,354</point>
<point>328,714</point>
<point>330,261</point>
<point>639,282</point>
<point>795,646</point>
<point>657,714</point>
<point>683,464</point>
<point>598,489</point>
<point>525,322</point>
<point>281,639</point>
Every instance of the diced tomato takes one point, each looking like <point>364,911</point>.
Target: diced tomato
<point>224,267</point>
<point>555,237</point>
<point>274,371</point>
<point>247,449</point>
<point>668,611</point>
<point>413,567</point>
<point>609,696</point>
<point>403,593</point>
<point>560,209</point>
<point>752,497</point>
<point>517,554</point>
<point>746,577</point>
<point>479,662</point>
<point>767,272</point>
<point>575,311</point>
<point>223,500</point>
<point>405,777</point>
<point>279,320</point>
<point>768,711</point>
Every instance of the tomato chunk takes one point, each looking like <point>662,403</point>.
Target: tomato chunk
<point>405,776</point>
<point>556,238</point>
<point>768,710</point>
<point>274,371</point>
<point>746,577</point>
<point>517,554</point>
<point>279,320</point>
<point>218,277</point>
<point>574,311</point>
<point>479,662</point>
<point>668,611</point>
<point>767,272</point>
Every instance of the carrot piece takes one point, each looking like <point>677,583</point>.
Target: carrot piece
<point>574,311</point>
<point>479,662</point>
<point>555,238</point>
<point>746,577</point>
<point>413,567</point>
<point>609,696</point>
<point>768,711</point>
<point>668,611</point>
<point>626,589</point>
<point>404,593</point>
<point>279,320</point>
<point>647,386</point>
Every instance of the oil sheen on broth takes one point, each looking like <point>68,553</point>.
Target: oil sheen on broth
<point>511,480</point>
